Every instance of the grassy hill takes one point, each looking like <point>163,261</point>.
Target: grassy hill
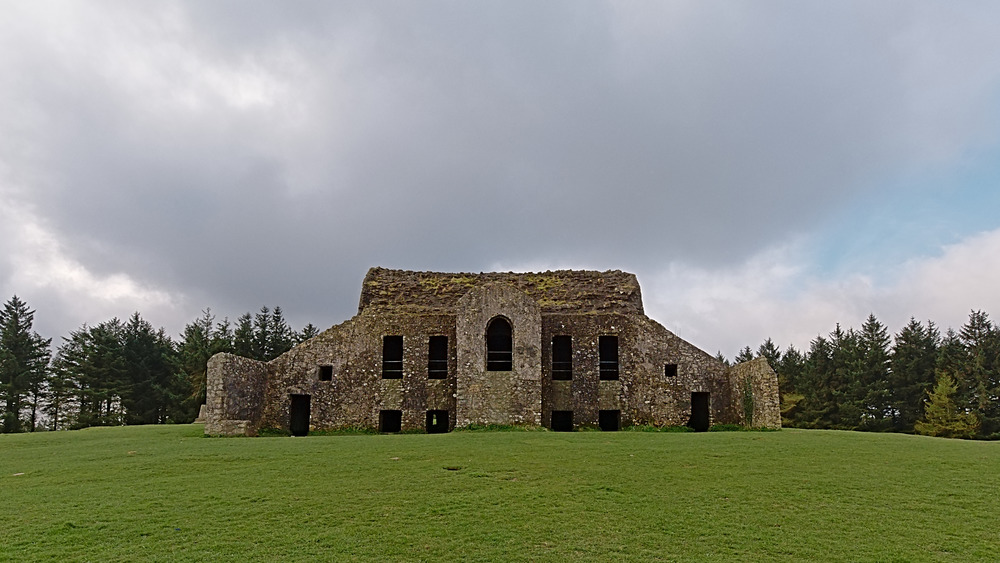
<point>165,493</point>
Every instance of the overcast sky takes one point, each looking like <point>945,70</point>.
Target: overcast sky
<point>766,168</point>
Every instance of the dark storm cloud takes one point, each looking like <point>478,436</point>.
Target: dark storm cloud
<point>249,153</point>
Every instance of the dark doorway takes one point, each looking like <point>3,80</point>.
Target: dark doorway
<point>437,357</point>
<point>562,421</point>
<point>437,422</point>
<point>390,421</point>
<point>607,348</point>
<point>700,418</point>
<point>609,421</point>
<point>562,357</point>
<point>298,416</point>
<point>499,345</point>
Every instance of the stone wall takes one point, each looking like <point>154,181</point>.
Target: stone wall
<point>356,391</point>
<point>573,291</point>
<point>757,378</point>
<point>244,395</point>
<point>234,395</point>
<point>498,397</point>
<point>654,398</point>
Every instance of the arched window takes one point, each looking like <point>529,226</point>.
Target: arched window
<point>499,345</point>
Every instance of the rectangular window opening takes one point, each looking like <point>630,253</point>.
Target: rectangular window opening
<point>437,357</point>
<point>670,370</point>
<point>609,421</point>
<point>562,358</point>
<point>437,421</point>
<point>608,352</point>
<point>390,421</point>
<point>562,421</point>
<point>392,357</point>
<point>325,373</point>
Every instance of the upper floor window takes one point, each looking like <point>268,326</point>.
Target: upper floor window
<point>499,345</point>
<point>392,357</point>
<point>562,357</point>
<point>437,357</point>
<point>670,370</point>
<point>608,352</point>
<point>325,373</point>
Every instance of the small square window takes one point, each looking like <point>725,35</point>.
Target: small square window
<point>325,373</point>
<point>670,370</point>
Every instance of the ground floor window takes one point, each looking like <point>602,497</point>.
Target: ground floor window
<point>562,421</point>
<point>609,421</point>
<point>437,421</point>
<point>390,421</point>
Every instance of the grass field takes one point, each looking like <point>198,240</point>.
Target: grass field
<point>165,493</point>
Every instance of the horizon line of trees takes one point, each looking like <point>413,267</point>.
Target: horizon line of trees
<point>917,381</point>
<point>126,372</point>
<point>122,372</point>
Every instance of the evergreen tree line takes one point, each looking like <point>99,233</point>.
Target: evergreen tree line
<point>915,381</point>
<point>122,372</point>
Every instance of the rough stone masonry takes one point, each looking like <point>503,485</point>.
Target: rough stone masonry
<point>430,351</point>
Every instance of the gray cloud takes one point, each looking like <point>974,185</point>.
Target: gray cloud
<point>249,153</point>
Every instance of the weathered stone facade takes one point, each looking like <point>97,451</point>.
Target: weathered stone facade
<point>418,356</point>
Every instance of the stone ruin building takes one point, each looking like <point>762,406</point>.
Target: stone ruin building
<point>432,351</point>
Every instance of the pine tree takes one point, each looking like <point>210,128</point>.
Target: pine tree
<point>745,355</point>
<point>718,356</point>
<point>790,370</point>
<point>815,385</point>
<point>870,386</point>
<point>91,364</point>
<point>24,360</point>
<point>843,411</point>
<point>770,352</point>
<point>155,388</point>
<point>243,337</point>
<point>310,331</point>
<point>943,416</point>
<point>281,336</point>
<point>262,334</point>
<point>979,386</point>
<point>911,376</point>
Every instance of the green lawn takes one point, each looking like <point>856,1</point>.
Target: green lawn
<point>166,493</point>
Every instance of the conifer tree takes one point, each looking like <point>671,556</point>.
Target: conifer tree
<point>281,336</point>
<point>911,375</point>
<point>745,355</point>
<point>870,384</point>
<point>816,385</point>
<point>790,370</point>
<point>91,363</point>
<point>943,415</point>
<point>980,386</point>
<point>155,388</point>
<point>770,352</point>
<point>307,332</point>
<point>262,334</point>
<point>24,360</point>
<point>243,337</point>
